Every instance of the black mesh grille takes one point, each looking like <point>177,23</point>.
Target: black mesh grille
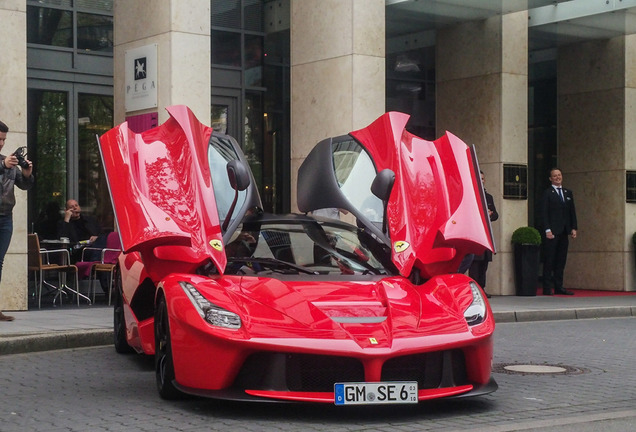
<point>297,372</point>
<point>316,373</point>
<point>430,370</point>
<point>319,373</point>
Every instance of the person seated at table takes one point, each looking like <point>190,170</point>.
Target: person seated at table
<point>76,226</point>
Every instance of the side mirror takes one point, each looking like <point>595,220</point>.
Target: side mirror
<point>381,187</point>
<point>239,176</point>
<point>383,184</point>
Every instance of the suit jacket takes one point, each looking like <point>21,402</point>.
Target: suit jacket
<point>558,216</point>
<point>490,203</point>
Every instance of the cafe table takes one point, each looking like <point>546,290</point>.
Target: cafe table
<point>59,245</point>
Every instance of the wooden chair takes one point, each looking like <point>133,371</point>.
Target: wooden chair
<point>50,260</point>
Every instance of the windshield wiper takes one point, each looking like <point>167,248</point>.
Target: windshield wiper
<point>272,263</point>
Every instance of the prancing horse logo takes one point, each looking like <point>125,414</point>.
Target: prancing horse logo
<point>400,246</point>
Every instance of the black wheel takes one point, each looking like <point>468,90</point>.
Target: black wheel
<point>119,323</point>
<point>164,367</point>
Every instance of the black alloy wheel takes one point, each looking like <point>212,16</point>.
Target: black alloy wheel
<point>164,366</point>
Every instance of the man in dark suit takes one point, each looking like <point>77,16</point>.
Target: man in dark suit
<point>479,266</point>
<point>559,221</point>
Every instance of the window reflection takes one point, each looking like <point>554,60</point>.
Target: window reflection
<point>47,144</point>
<point>253,144</point>
<point>253,60</point>
<point>94,32</point>
<point>48,26</point>
<point>219,118</point>
<point>54,27</point>
<point>226,48</point>
<point>95,117</point>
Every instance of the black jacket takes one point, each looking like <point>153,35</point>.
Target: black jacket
<point>79,229</point>
<point>558,216</point>
<point>10,177</point>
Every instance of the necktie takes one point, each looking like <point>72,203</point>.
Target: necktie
<point>561,194</point>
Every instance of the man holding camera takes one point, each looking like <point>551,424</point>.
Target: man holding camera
<point>15,170</point>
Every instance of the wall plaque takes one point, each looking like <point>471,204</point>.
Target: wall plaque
<point>630,180</point>
<point>515,184</point>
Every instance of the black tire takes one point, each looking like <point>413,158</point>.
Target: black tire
<point>119,322</point>
<point>164,366</point>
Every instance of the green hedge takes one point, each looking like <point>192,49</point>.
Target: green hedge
<point>526,235</point>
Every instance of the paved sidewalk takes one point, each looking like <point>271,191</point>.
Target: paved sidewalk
<point>72,327</point>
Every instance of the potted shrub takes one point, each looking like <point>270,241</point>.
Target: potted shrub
<point>526,241</point>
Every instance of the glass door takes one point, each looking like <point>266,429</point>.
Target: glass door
<point>62,128</point>
<point>94,118</point>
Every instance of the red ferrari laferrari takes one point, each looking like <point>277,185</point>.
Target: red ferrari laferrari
<point>355,300</point>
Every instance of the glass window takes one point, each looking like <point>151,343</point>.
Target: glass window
<point>253,61</point>
<point>253,15</point>
<point>47,144</point>
<point>47,26</point>
<point>95,117</point>
<point>226,48</point>
<point>226,13</point>
<point>253,147</point>
<point>104,5</point>
<point>219,118</point>
<point>94,32</point>
<point>54,26</point>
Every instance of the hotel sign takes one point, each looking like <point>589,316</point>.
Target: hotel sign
<point>141,78</point>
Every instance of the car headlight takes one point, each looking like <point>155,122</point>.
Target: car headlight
<point>215,315</point>
<point>476,312</point>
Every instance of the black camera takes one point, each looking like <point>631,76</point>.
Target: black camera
<point>20,155</point>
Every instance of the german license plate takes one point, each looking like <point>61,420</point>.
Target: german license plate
<point>398,392</point>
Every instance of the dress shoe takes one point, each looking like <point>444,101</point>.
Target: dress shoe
<point>4,317</point>
<point>488,295</point>
<point>563,291</point>
<point>547,292</point>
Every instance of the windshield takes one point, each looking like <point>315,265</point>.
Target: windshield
<point>308,246</point>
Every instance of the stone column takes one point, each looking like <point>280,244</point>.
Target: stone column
<point>481,96</point>
<point>181,30</point>
<point>597,143</point>
<point>13,109</point>
<point>337,71</point>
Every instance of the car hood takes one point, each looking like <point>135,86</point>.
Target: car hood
<point>373,313</point>
<point>162,193</point>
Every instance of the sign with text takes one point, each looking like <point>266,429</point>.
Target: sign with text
<point>141,78</point>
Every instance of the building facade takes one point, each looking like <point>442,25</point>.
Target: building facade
<point>531,87</point>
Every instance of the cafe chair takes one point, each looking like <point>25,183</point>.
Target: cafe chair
<point>106,263</point>
<point>42,261</point>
